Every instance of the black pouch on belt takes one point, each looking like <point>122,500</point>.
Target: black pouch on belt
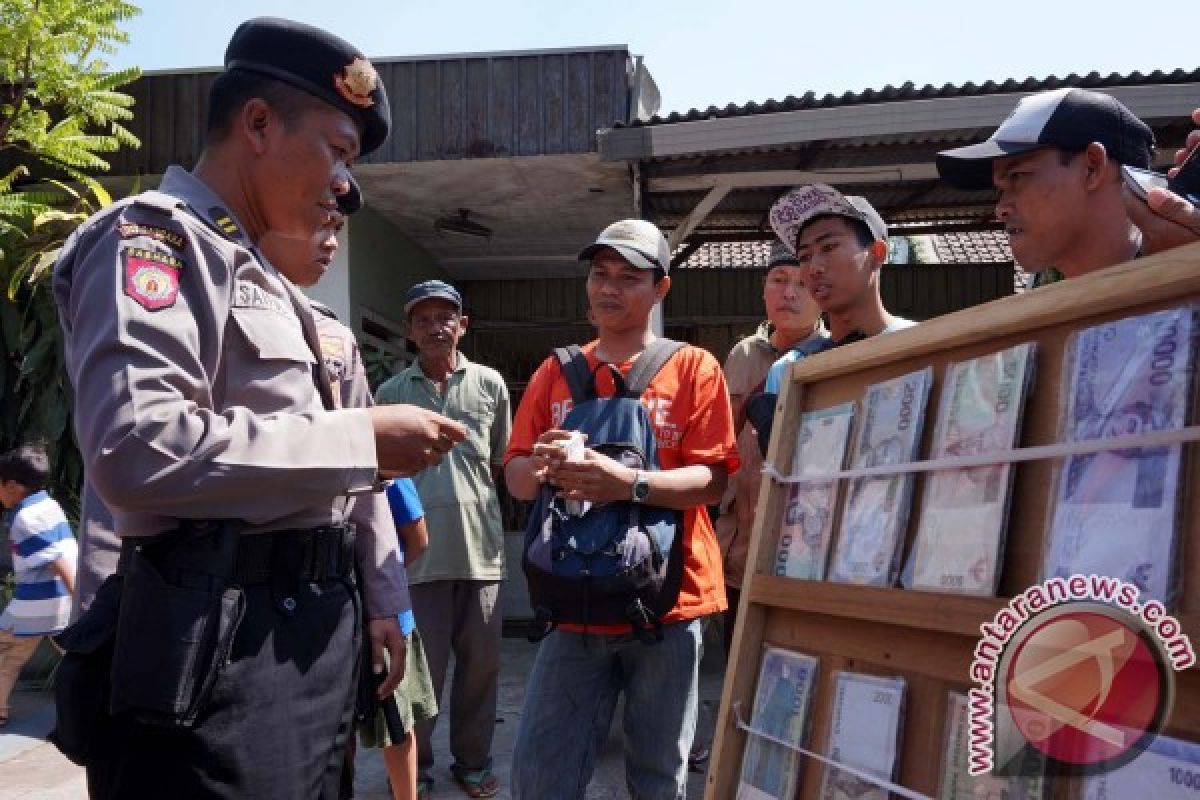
<point>82,682</point>
<point>180,610</point>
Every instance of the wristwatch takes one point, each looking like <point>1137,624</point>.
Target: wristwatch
<point>641,487</point>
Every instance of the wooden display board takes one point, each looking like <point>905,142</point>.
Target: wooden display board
<point>928,638</point>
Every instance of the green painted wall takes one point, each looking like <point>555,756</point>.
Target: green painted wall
<point>383,264</point>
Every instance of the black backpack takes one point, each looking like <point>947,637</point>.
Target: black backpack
<point>621,562</point>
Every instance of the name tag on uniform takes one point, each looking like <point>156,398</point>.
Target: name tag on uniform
<point>251,295</point>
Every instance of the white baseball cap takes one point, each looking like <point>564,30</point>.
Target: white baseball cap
<point>639,242</point>
<point>1067,118</point>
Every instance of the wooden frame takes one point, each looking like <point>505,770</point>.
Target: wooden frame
<point>928,637</point>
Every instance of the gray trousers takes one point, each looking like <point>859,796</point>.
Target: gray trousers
<point>461,617</point>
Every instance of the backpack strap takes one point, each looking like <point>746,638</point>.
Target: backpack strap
<point>575,370</point>
<point>648,364</point>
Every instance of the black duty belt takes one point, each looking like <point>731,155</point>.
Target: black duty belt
<point>305,554</point>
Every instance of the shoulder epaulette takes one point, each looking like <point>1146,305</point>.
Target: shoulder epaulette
<point>158,202</point>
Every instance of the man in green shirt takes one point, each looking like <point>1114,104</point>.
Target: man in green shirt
<point>455,584</point>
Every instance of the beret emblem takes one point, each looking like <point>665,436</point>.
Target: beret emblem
<point>356,81</point>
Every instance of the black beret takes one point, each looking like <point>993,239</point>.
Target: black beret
<point>318,62</point>
<point>351,201</point>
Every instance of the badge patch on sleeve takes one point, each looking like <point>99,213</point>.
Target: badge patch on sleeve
<point>152,279</point>
<point>132,230</point>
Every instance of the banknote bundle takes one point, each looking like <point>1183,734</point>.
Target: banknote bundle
<point>957,782</point>
<point>865,734</point>
<point>770,771</point>
<point>876,513</point>
<point>1115,512</point>
<point>1169,769</point>
<point>808,516</point>
<point>960,536</point>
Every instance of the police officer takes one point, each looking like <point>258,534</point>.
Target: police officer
<point>199,400</point>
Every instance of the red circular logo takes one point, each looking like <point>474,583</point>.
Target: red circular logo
<point>1084,685</point>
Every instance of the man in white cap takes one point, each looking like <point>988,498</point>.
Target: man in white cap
<point>581,672</point>
<point>1057,162</point>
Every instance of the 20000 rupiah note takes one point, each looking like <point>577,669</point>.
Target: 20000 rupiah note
<point>960,534</point>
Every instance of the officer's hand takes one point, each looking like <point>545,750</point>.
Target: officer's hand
<point>409,438</point>
<point>1165,219</point>
<point>386,635</point>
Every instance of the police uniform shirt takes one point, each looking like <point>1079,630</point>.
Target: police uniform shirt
<point>198,388</point>
<point>377,541</point>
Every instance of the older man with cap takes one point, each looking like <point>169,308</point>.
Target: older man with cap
<point>1057,163</point>
<point>456,583</point>
<point>582,670</point>
<point>209,431</point>
<point>793,323</point>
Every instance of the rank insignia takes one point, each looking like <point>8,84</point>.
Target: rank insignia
<point>132,230</point>
<point>333,351</point>
<point>151,278</point>
<point>356,81</point>
<point>224,222</point>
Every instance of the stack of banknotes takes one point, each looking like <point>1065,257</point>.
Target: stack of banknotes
<point>868,712</point>
<point>1116,512</point>
<point>771,771</point>
<point>876,514</point>
<point>957,782</point>
<point>808,516</point>
<point>1169,769</point>
<point>964,513</point>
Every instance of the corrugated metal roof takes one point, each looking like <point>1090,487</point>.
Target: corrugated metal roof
<point>965,247</point>
<point>909,91</point>
<point>976,247</point>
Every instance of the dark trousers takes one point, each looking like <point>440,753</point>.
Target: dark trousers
<point>278,719</point>
<point>729,617</point>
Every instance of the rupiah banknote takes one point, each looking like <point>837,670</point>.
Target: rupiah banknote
<point>1168,769</point>
<point>770,771</point>
<point>1116,512</point>
<point>958,784</point>
<point>964,512</point>
<point>868,712</point>
<point>808,515</point>
<point>876,513</point>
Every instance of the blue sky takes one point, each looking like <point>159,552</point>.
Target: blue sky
<point>705,52</point>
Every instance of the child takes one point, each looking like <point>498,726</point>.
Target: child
<point>414,696</point>
<point>44,554</point>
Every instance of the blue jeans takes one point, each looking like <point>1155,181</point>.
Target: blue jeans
<point>569,704</point>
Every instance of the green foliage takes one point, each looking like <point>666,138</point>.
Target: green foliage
<point>61,114</point>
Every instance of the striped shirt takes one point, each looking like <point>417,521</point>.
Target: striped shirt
<point>39,536</point>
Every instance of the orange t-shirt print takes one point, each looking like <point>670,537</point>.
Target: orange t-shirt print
<point>689,408</point>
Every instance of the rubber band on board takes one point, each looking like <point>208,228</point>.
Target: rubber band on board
<point>999,457</point>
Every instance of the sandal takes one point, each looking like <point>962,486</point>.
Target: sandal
<point>477,782</point>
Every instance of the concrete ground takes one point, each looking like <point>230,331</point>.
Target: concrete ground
<point>32,769</point>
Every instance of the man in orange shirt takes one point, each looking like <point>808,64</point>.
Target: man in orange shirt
<point>578,676</point>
